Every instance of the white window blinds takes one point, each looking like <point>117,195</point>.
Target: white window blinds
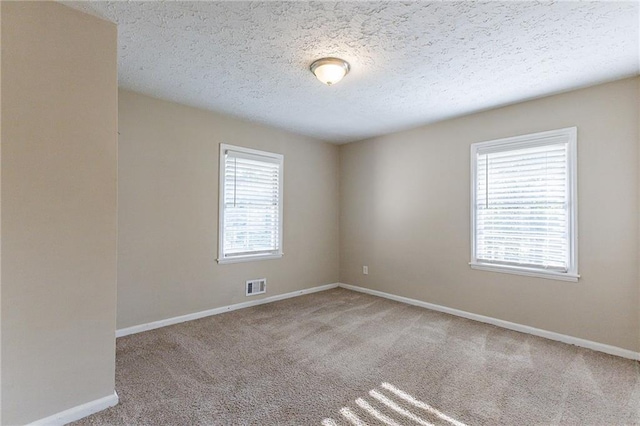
<point>524,202</point>
<point>251,204</point>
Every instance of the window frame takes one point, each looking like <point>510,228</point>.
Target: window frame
<point>569,135</point>
<point>221,211</point>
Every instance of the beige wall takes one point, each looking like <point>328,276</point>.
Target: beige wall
<point>168,211</point>
<point>0,218</point>
<point>58,198</point>
<point>405,213</point>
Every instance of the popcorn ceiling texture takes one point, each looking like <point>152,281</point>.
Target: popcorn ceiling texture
<point>413,63</point>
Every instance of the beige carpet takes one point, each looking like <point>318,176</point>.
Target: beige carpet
<point>343,358</point>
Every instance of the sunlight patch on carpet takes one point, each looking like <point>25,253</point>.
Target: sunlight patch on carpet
<point>391,406</point>
<point>421,404</point>
<point>406,413</point>
<point>352,417</point>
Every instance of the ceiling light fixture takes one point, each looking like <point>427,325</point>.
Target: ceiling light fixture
<point>330,70</point>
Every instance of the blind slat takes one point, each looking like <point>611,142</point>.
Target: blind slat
<point>251,222</point>
<point>522,207</point>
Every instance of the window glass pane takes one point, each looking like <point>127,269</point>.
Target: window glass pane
<point>522,211</point>
<point>251,203</point>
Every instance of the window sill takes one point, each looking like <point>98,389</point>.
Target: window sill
<point>249,258</point>
<point>529,272</point>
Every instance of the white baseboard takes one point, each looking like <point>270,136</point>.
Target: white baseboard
<point>197,315</point>
<point>600,347</point>
<point>78,412</point>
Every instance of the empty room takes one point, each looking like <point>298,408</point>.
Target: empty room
<point>320,213</point>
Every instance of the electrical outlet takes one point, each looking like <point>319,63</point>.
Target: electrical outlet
<point>365,270</point>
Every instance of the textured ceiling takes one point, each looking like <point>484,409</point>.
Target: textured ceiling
<point>412,63</point>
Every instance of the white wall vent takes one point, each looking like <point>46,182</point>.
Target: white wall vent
<point>258,286</point>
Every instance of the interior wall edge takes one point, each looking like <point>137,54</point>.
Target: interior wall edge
<point>59,211</point>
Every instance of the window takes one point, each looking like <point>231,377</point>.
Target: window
<point>523,205</point>
<point>250,205</point>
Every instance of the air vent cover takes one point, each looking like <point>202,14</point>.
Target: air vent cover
<point>257,286</point>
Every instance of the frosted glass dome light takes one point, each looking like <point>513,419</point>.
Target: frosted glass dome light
<point>330,70</point>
